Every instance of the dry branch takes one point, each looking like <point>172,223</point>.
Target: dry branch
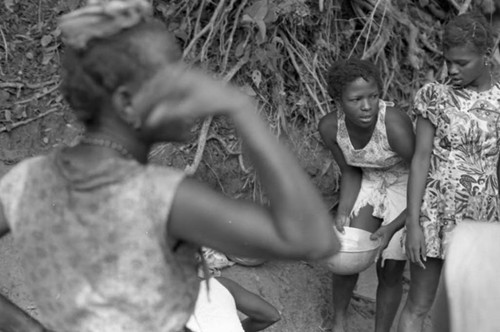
<point>20,85</point>
<point>206,28</point>
<point>202,137</point>
<point>310,91</point>
<point>5,46</point>
<point>25,122</point>
<point>464,7</point>
<point>212,28</point>
<point>202,141</point>
<point>231,35</point>
<point>38,95</point>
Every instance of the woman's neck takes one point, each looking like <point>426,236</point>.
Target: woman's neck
<point>137,149</point>
<point>483,83</point>
<point>359,136</point>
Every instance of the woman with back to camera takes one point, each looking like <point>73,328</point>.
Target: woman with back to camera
<point>107,241</point>
<point>454,172</point>
<point>373,144</point>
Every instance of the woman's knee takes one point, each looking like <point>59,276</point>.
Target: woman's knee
<point>419,306</point>
<point>420,302</point>
<point>423,285</point>
<point>391,274</point>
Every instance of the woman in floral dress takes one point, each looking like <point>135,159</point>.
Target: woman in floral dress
<point>454,171</point>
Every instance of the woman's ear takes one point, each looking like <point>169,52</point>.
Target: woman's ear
<point>122,103</point>
<point>488,54</point>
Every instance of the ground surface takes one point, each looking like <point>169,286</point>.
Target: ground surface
<point>34,120</point>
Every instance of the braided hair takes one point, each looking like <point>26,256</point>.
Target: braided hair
<point>343,72</point>
<point>469,29</point>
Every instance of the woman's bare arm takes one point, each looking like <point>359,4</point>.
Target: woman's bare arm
<point>350,181</point>
<point>295,224</point>
<point>415,244</point>
<point>260,313</point>
<point>402,140</point>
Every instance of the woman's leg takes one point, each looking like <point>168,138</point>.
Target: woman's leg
<point>389,292</point>
<point>441,310</point>
<point>423,286</point>
<point>343,285</point>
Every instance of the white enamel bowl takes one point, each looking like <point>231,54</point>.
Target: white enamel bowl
<point>357,252</point>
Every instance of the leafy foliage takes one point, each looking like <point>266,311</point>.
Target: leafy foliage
<point>277,51</point>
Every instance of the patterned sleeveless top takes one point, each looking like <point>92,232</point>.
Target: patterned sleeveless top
<point>377,153</point>
<point>94,244</point>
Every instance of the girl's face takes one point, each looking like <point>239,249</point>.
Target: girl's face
<point>359,102</point>
<point>466,66</point>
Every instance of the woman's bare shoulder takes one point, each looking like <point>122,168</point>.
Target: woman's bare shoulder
<point>328,127</point>
<point>397,119</point>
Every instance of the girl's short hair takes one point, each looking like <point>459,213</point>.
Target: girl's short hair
<point>468,29</point>
<point>343,72</point>
<point>91,75</point>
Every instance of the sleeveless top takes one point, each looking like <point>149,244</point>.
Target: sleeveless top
<point>377,154</point>
<point>94,245</point>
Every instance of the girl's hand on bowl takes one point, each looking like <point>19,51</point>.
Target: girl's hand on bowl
<point>384,235</point>
<point>341,221</point>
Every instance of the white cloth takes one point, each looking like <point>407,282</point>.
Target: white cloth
<point>471,274</point>
<point>215,310</point>
<point>388,201</point>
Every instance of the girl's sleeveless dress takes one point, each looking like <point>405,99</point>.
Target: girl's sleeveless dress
<point>94,244</point>
<point>462,183</point>
<point>385,176</point>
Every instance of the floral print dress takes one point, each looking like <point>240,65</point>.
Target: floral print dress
<point>462,183</point>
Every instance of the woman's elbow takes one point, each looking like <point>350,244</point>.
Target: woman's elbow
<point>307,237</point>
<point>318,248</point>
<point>325,250</point>
<point>274,317</point>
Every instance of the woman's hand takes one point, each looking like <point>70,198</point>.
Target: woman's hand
<point>342,220</point>
<point>415,244</point>
<point>384,234</point>
<point>179,92</point>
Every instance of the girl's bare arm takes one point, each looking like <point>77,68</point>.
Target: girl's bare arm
<point>350,181</point>
<point>260,313</point>
<point>419,169</point>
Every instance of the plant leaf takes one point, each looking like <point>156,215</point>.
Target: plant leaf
<point>256,77</point>
<point>47,56</point>
<point>46,40</point>
<point>9,4</point>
